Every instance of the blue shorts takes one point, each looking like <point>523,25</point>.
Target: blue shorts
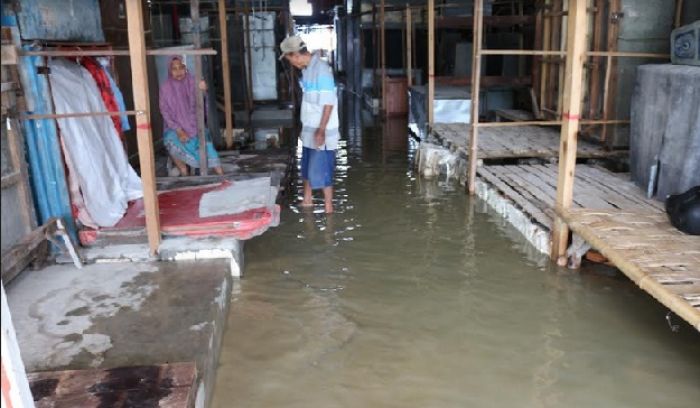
<point>324,173</point>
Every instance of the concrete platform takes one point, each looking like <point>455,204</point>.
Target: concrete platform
<point>123,314</point>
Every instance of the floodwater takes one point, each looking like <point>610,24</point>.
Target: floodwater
<point>412,295</point>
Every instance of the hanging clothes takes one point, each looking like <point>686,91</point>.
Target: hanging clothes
<point>105,88</point>
<point>106,179</point>
<point>124,119</point>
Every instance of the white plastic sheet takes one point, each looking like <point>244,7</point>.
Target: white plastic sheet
<point>102,170</point>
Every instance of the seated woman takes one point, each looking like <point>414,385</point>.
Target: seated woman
<point>178,105</point>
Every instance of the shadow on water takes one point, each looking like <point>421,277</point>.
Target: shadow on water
<point>412,294</point>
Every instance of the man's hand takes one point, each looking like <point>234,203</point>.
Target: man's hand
<point>203,86</point>
<point>320,137</point>
<point>182,135</point>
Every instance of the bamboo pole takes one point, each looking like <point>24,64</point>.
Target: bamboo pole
<point>139,76</point>
<point>249,71</point>
<point>544,68</point>
<point>577,32</point>
<point>475,88</point>
<point>409,47</point>
<point>111,53</point>
<point>679,13</point>
<point>382,56</point>
<point>431,60</point>
<point>226,71</point>
<point>197,40</point>
<point>524,52</point>
<point>78,115</point>
<point>596,42</point>
<point>611,74</point>
<point>626,54</point>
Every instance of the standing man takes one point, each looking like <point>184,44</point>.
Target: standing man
<point>319,119</point>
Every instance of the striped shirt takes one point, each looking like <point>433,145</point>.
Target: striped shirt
<point>318,85</point>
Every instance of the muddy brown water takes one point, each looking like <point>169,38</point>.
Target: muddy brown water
<point>413,295</point>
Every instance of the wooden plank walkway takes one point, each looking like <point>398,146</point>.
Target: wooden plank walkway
<point>644,245</point>
<point>166,386</point>
<point>533,188</point>
<point>513,142</point>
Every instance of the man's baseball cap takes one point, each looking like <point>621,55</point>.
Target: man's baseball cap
<point>291,44</point>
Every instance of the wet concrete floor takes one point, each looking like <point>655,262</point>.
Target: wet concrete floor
<point>413,295</point>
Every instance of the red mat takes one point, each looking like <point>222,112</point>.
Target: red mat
<point>179,215</point>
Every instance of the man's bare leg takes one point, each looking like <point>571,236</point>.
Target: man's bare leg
<point>308,198</point>
<point>328,199</point>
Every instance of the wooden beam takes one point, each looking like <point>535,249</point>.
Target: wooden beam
<point>455,22</point>
<point>431,60</point>
<point>409,47</point>
<point>486,81</point>
<point>226,72</point>
<point>523,52</point>
<point>139,79</point>
<point>113,52</point>
<point>537,61</point>
<point>38,116</point>
<point>577,32</point>
<point>15,147</point>
<point>475,88</point>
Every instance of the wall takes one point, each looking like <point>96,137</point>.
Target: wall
<point>76,20</point>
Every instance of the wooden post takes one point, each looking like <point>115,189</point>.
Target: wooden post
<point>475,88</point>
<point>139,80</point>
<point>575,50</point>
<point>537,61</point>
<point>197,40</point>
<point>546,46</point>
<point>226,71</point>
<point>249,71</point>
<point>431,60</point>
<point>409,49</point>
<point>611,73</point>
<point>679,13</point>
<point>375,53</point>
<point>594,100</point>
<point>382,53</point>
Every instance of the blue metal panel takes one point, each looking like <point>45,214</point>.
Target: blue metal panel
<point>74,20</point>
<point>47,173</point>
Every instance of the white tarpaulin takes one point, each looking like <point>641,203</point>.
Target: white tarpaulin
<point>106,179</point>
<point>239,197</point>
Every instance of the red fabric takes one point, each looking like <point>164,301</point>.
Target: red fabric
<point>103,85</point>
<point>179,216</point>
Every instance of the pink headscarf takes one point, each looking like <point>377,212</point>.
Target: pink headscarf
<point>178,101</point>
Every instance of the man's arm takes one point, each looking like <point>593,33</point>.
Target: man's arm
<point>320,135</point>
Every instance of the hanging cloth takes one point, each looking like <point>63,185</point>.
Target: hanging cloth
<point>103,84</point>
<point>105,178</point>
